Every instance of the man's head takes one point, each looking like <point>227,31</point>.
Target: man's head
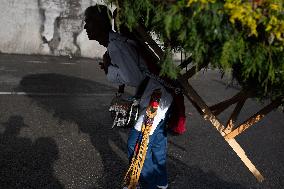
<point>98,23</point>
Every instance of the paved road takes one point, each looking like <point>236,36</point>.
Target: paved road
<point>55,132</point>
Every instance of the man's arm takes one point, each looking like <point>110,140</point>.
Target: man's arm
<point>112,72</point>
<point>106,62</point>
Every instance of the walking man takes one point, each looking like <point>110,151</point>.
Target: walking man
<point>124,64</point>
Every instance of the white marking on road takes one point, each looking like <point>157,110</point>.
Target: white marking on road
<point>68,63</point>
<point>7,70</point>
<point>54,94</point>
<point>36,61</point>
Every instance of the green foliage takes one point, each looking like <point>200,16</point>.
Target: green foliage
<point>167,66</point>
<point>231,35</point>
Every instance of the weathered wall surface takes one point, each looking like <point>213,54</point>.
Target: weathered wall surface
<point>52,27</point>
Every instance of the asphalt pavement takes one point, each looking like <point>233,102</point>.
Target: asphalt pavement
<point>55,132</point>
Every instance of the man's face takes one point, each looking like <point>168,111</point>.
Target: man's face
<point>96,30</point>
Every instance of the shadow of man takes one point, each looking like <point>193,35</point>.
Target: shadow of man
<point>91,115</point>
<point>23,163</point>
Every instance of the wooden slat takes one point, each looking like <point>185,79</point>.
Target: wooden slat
<point>242,155</point>
<point>254,119</point>
<point>147,38</point>
<point>185,62</point>
<point>220,107</point>
<point>192,71</point>
<point>208,115</point>
<point>235,114</point>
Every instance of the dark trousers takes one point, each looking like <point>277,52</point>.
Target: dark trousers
<point>154,171</point>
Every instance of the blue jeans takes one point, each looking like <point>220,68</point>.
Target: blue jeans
<point>154,169</point>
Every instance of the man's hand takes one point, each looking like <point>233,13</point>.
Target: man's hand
<point>106,62</point>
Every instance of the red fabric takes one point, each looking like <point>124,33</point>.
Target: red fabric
<point>178,127</point>
<point>178,119</point>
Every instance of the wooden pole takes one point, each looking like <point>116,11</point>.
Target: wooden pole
<point>235,114</point>
<point>254,119</point>
<point>242,155</point>
<point>208,115</point>
<point>220,107</point>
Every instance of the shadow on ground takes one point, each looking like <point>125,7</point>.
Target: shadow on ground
<point>94,120</point>
<point>24,163</point>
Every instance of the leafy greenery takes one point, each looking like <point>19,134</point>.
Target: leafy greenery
<point>244,37</point>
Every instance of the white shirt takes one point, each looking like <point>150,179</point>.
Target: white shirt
<point>128,69</point>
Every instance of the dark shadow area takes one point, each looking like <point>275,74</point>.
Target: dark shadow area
<point>189,177</point>
<point>57,83</point>
<point>23,163</point>
<point>89,113</point>
<point>93,118</point>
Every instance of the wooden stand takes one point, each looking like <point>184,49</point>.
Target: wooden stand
<point>229,131</point>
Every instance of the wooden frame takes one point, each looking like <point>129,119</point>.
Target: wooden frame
<point>228,132</point>
<point>254,119</point>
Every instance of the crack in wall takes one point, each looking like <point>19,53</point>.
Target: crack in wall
<point>54,43</point>
<point>56,27</point>
<point>50,11</point>
<point>70,27</point>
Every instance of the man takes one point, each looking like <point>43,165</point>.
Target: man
<point>124,64</point>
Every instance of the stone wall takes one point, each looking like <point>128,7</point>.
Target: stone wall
<point>53,27</point>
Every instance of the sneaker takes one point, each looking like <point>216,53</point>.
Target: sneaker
<point>162,187</point>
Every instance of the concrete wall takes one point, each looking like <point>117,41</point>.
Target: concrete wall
<point>53,27</point>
